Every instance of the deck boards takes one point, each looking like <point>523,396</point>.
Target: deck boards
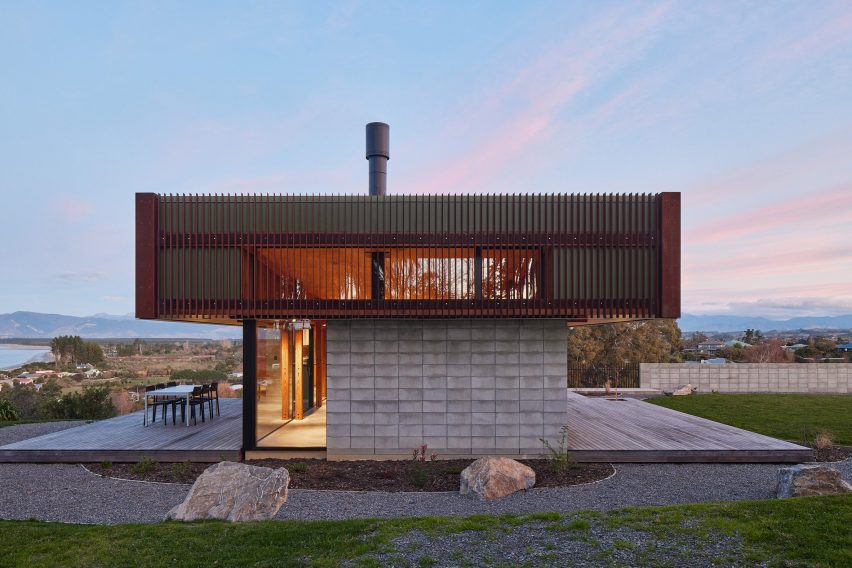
<point>598,430</point>
<point>124,438</point>
<point>635,431</point>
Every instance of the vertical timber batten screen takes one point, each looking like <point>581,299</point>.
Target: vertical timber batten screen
<point>583,257</point>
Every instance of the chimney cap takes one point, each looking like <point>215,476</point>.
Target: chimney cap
<point>378,140</point>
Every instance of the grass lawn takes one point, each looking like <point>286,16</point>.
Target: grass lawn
<point>784,416</point>
<point>807,531</point>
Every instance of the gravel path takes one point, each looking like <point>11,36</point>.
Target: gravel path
<point>70,493</point>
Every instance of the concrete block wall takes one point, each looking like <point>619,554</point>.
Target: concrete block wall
<point>750,377</point>
<point>466,387</point>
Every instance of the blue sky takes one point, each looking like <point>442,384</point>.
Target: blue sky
<point>745,107</point>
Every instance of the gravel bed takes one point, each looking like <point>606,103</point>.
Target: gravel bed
<point>552,544</point>
<point>18,432</point>
<point>70,493</point>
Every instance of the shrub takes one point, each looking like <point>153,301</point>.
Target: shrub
<point>823,440</point>
<point>8,412</point>
<point>559,457</point>
<point>298,467</point>
<point>198,377</point>
<point>106,464</point>
<point>144,465</point>
<point>93,403</point>
<point>181,470</point>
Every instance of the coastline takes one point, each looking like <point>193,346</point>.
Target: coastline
<point>43,355</point>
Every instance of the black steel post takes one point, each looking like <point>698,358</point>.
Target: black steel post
<point>249,384</point>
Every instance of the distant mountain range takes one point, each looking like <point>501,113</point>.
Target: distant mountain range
<point>39,326</point>
<point>722,324</point>
<point>35,325</point>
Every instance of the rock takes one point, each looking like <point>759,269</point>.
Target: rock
<point>234,492</point>
<point>683,390</point>
<point>494,477</point>
<point>805,480</point>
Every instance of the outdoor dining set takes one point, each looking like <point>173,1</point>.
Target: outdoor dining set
<point>173,396</point>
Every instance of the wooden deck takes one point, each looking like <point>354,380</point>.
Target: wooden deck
<point>125,439</point>
<point>598,430</point>
<point>634,431</point>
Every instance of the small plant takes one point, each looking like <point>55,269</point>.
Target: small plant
<point>607,387</point>
<point>298,467</point>
<point>144,465</point>
<point>181,470</point>
<point>8,412</point>
<point>823,440</point>
<point>559,457</point>
<point>417,473</point>
<point>106,464</point>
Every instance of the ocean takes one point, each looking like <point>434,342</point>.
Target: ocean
<point>12,356</point>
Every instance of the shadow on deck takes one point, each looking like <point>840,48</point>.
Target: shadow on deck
<point>125,439</point>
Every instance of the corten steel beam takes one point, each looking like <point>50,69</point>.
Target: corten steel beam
<point>669,255</point>
<point>147,248</point>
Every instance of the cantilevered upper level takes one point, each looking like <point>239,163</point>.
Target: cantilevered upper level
<point>579,257</point>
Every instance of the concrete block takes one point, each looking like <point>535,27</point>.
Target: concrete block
<point>337,358</point>
<point>532,383</point>
<point>489,430</point>
<point>338,394</point>
<point>410,382</point>
<point>434,371</point>
<point>506,358</point>
<point>362,370</point>
<point>461,406</point>
<point>410,394</point>
<point>363,406</point>
<point>513,417</point>
<point>386,383</point>
<point>482,347</point>
<point>482,394</point>
<point>411,406</point>
<point>363,442</point>
<point>507,443</point>
<point>386,442</point>
<point>531,407</point>
<point>412,430</point>
<point>336,383</point>
<point>434,406</point>
<point>459,418</point>
<point>439,358</point>
<point>410,363</point>
<point>363,418</point>
<point>361,394</point>
<point>483,405</point>
<point>458,370</point>
<point>482,418</point>
<point>483,370</point>
<point>337,430</point>
<point>386,359</point>
<point>458,394</point>
<point>362,382</point>
<point>505,406</point>
<point>387,417</point>
<point>459,430</point>
<point>434,430</point>
<point>337,442</point>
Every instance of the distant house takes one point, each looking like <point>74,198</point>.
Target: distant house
<point>843,347</point>
<point>794,347</point>
<point>711,361</point>
<point>92,373</point>
<point>737,343</point>
<point>710,346</point>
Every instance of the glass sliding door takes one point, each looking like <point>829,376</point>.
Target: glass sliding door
<point>291,385</point>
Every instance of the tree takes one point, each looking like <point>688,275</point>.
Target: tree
<point>71,350</point>
<point>597,347</point>
<point>771,351</point>
<point>752,337</point>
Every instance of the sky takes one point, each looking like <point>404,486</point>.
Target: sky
<point>744,107</point>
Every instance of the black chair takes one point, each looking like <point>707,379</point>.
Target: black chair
<point>214,395</point>
<point>171,384</point>
<point>154,402</point>
<point>195,399</point>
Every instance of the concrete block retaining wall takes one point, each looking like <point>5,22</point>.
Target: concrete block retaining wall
<point>462,387</point>
<point>750,377</point>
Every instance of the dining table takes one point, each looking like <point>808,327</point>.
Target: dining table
<point>174,392</point>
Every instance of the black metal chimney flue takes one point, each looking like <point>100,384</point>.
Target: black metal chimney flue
<point>378,152</point>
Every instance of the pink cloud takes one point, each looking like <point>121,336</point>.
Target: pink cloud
<point>816,207</point>
<point>72,210</point>
<point>515,114</point>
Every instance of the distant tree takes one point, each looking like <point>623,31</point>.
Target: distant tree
<point>752,337</point>
<point>771,351</point>
<point>69,350</point>
<point>93,403</point>
<point>198,377</point>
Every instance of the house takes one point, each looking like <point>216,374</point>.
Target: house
<point>794,347</point>
<point>710,346</point>
<point>737,343</point>
<point>844,347</point>
<point>375,323</point>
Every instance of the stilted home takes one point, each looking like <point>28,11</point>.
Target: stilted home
<point>375,323</point>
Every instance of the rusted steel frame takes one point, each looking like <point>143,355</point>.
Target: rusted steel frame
<point>147,209</point>
<point>669,254</point>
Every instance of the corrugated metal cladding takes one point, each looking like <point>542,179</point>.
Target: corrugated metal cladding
<point>321,257</point>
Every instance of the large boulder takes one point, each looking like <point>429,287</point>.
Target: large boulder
<point>234,492</point>
<point>494,477</point>
<point>810,479</point>
<point>683,390</point>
